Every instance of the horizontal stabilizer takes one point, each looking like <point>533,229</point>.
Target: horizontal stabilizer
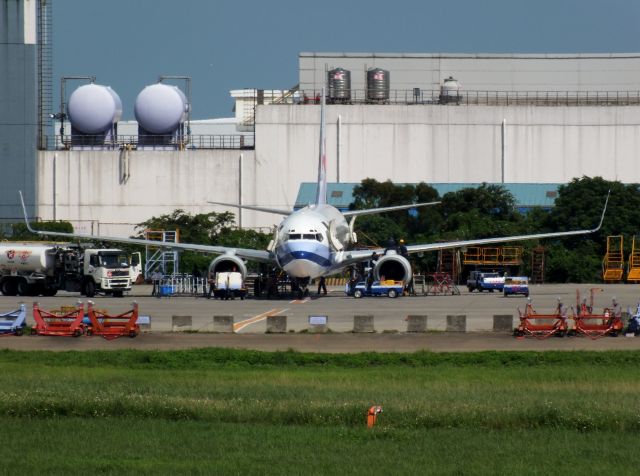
<point>275,211</point>
<point>371,211</point>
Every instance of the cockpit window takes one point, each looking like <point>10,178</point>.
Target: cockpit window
<point>305,236</point>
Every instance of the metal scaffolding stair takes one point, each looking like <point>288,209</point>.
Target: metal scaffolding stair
<point>613,263</point>
<point>634,262</point>
<point>159,259</point>
<point>449,263</point>
<point>537,265</point>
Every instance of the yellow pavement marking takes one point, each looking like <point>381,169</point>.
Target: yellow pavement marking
<point>252,320</point>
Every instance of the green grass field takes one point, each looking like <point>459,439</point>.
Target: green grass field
<point>242,412</point>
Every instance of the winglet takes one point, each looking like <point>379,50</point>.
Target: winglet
<point>26,217</point>
<point>604,210</point>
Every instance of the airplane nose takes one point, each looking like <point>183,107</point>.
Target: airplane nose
<point>299,269</point>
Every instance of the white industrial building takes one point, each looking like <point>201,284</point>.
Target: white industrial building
<point>516,119</point>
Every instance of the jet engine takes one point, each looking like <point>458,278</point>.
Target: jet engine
<point>227,262</point>
<point>393,266</point>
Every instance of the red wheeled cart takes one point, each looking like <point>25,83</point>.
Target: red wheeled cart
<point>540,326</point>
<point>111,327</point>
<point>58,323</point>
<point>598,325</point>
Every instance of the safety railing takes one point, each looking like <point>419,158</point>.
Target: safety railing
<point>477,98</point>
<point>134,142</point>
<point>185,284</point>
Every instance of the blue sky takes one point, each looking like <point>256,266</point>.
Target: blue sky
<point>224,45</point>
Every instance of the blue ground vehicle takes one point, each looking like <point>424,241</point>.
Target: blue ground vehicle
<point>385,288</point>
<point>13,322</point>
<point>484,281</point>
<point>516,285</point>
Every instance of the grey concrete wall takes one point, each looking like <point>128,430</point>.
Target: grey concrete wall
<point>481,72</point>
<point>453,143</point>
<point>386,142</point>
<point>91,193</point>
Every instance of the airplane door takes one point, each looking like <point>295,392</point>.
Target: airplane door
<point>335,242</point>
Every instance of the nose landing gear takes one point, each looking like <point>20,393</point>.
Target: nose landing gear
<point>302,287</point>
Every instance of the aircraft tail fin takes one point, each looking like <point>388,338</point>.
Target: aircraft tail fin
<point>321,196</point>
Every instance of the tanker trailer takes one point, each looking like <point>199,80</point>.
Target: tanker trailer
<point>33,269</point>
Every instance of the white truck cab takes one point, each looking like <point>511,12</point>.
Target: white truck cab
<point>106,270</point>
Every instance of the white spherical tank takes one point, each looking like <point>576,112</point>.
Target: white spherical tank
<point>160,108</point>
<point>93,108</point>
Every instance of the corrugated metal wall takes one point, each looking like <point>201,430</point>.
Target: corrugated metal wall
<point>18,104</point>
<point>482,72</point>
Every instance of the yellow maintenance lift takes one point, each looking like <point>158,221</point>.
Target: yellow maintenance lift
<point>486,256</point>
<point>633,273</point>
<point>613,263</point>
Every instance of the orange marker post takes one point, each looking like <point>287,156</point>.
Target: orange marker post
<point>372,415</point>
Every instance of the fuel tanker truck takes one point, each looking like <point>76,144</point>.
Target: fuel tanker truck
<point>44,269</point>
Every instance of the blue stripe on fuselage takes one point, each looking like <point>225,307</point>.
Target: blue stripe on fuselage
<point>311,252</point>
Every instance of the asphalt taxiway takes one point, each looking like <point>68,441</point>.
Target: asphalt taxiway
<point>389,320</point>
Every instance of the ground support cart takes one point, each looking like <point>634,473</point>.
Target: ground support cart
<point>58,323</point>
<point>540,326</point>
<point>441,284</point>
<point>111,327</point>
<point>13,323</point>
<point>388,287</point>
<point>597,325</point>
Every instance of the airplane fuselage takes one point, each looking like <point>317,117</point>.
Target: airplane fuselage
<point>308,239</point>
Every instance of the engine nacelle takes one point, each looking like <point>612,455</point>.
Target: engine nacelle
<point>227,262</point>
<point>393,266</point>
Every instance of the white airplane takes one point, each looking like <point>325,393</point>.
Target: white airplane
<point>316,240</point>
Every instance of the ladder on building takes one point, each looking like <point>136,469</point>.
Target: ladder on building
<point>45,71</point>
<point>159,259</point>
<point>251,99</point>
<point>633,273</point>
<point>613,263</point>
<point>537,265</point>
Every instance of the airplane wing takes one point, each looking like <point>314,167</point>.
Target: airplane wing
<point>256,255</point>
<point>355,256</point>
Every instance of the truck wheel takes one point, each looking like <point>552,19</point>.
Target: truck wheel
<point>89,289</point>
<point>118,293</point>
<point>392,293</point>
<point>357,294</point>
<point>9,287</point>
<point>23,287</point>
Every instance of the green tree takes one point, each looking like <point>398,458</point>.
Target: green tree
<point>378,229</point>
<point>19,231</point>
<point>579,206</point>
